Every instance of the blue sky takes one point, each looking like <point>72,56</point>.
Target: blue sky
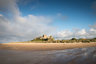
<point>78,13</point>
<point>23,20</point>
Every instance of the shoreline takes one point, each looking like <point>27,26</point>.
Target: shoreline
<point>43,46</point>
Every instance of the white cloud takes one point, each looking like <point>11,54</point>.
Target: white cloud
<point>25,28</point>
<point>82,32</point>
<point>9,7</point>
<point>92,33</point>
<point>67,34</point>
<point>64,33</point>
<point>93,30</point>
<point>19,28</point>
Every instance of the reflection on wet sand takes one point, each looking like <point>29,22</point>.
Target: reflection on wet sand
<point>68,56</point>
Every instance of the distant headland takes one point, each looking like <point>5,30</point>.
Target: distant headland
<point>48,43</point>
<point>50,39</point>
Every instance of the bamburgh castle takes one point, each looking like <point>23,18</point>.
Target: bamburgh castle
<point>45,38</point>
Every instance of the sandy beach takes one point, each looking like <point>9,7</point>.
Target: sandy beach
<point>68,56</point>
<point>53,53</point>
<point>43,46</point>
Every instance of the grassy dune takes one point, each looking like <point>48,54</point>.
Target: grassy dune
<point>44,46</point>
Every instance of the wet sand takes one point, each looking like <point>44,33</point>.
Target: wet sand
<point>43,46</point>
<point>53,53</point>
<point>68,56</point>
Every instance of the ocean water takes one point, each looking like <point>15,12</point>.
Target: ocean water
<point>68,56</point>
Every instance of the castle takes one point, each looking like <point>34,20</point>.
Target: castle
<point>45,38</point>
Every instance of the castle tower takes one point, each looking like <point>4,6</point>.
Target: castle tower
<point>44,36</point>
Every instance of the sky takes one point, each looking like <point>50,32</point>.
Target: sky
<point>23,20</point>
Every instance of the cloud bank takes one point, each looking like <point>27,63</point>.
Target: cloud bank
<point>78,33</point>
<point>15,27</point>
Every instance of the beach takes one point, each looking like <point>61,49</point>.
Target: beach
<point>48,53</point>
<point>68,56</point>
<point>43,46</point>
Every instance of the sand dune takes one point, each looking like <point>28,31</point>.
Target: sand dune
<point>44,46</point>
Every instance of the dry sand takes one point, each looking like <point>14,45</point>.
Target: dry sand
<point>43,46</point>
